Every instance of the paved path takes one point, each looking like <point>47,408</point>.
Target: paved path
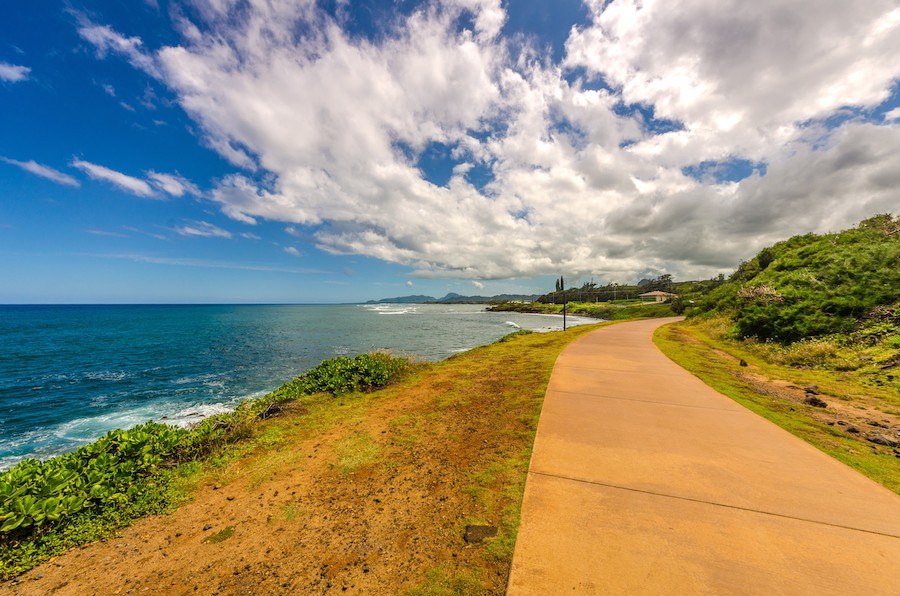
<point>646,481</point>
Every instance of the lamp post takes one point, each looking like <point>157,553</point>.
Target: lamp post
<point>562,286</point>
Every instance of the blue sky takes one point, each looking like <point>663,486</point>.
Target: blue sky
<point>339,151</point>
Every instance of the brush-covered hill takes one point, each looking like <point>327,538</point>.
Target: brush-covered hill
<point>817,285</point>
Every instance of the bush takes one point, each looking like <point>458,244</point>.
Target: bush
<point>810,286</point>
<point>34,493</point>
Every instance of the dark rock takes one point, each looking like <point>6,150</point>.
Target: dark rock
<point>812,400</point>
<point>876,423</point>
<point>743,362</point>
<point>880,439</point>
<point>852,429</point>
<point>841,423</point>
<point>814,389</point>
<point>476,534</point>
<point>207,527</point>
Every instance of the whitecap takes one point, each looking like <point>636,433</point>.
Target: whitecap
<point>107,375</point>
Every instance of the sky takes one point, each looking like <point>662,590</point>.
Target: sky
<point>230,151</point>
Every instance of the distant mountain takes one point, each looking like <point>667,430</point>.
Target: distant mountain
<point>454,298</point>
<point>404,300</point>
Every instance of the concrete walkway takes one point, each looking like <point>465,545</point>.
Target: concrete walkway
<point>646,481</point>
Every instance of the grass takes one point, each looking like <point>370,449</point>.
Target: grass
<point>438,582</point>
<point>354,452</point>
<point>698,347</point>
<point>220,536</point>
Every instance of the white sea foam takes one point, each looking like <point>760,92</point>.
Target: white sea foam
<point>193,414</point>
<point>107,375</point>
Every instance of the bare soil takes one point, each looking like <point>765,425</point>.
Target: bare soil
<point>375,502</point>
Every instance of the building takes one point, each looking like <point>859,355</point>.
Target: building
<point>657,296</point>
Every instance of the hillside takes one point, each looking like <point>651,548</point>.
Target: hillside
<point>817,285</point>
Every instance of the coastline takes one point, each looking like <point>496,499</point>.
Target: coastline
<point>459,429</point>
<point>117,366</point>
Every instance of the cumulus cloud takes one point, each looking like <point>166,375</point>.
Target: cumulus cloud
<point>13,73</point>
<point>43,171</point>
<point>740,77</point>
<point>589,166</point>
<point>128,183</point>
<point>292,251</point>
<point>478,285</point>
<point>203,229</point>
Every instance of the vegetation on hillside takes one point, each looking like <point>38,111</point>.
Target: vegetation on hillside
<point>813,286</point>
<point>829,302</point>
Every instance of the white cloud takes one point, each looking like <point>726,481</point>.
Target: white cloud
<point>210,264</point>
<point>409,284</point>
<point>106,40</point>
<point>13,73</point>
<point>740,76</point>
<point>43,171</point>
<point>249,236</point>
<point>292,251</point>
<point>173,184</point>
<point>95,232</point>
<point>892,115</point>
<point>203,229</point>
<point>329,130</point>
<point>478,285</point>
<point>129,183</point>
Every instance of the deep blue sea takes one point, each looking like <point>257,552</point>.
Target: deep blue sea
<point>69,374</point>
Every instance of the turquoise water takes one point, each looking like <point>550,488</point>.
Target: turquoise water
<point>69,374</point>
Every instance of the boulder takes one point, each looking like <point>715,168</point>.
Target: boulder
<point>881,439</point>
<point>813,400</point>
<point>476,534</point>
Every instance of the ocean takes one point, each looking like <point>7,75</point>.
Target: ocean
<point>69,374</point>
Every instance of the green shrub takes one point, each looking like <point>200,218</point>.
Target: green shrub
<point>34,493</point>
<point>811,286</point>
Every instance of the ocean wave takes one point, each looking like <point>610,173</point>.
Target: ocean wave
<point>193,414</point>
<point>393,309</point>
<point>108,375</point>
<point>196,379</point>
